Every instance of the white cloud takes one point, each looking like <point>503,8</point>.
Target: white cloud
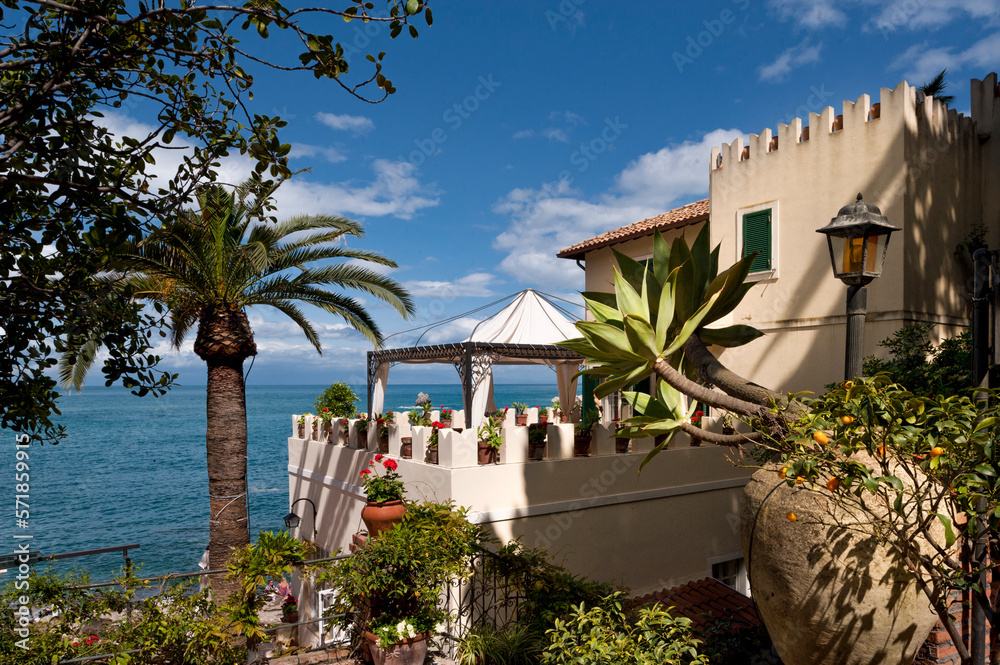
<point>810,13</point>
<point>553,217</point>
<point>556,134</point>
<point>353,123</point>
<point>932,14</point>
<point>921,63</point>
<point>475,285</point>
<point>454,331</point>
<point>394,189</point>
<point>524,134</point>
<point>569,117</point>
<point>796,56</point>
<point>300,150</point>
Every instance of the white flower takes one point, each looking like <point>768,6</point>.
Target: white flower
<point>410,631</point>
<point>440,628</point>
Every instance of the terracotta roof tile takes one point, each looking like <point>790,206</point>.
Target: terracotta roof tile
<point>691,213</point>
<point>695,600</point>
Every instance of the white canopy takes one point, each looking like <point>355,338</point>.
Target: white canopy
<point>523,332</point>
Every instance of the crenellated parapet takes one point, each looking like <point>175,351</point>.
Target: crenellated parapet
<point>926,120</point>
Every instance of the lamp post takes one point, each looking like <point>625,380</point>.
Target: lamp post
<point>858,238</point>
<point>292,520</point>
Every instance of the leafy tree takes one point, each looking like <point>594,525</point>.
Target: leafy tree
<point>72,192</point>
<point>339,399</point>
<point>206,268</point>
<point>654,323</point>
<point>925,370</point>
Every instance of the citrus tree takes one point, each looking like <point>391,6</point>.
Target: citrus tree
<point>900,465</point>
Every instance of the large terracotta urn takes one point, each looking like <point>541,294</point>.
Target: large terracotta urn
<point>828,595</point>
<point>410,652</point>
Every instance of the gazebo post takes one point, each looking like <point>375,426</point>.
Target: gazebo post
<point>467,385</point>
<point>371,374</point>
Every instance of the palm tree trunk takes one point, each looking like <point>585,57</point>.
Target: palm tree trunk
<point>226,449</point>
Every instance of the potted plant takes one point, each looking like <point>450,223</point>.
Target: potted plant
<point>432,442</point>
<point>290,609</point>
<point>728,425</point>
<point>557,409</point>
<point>490,440</point>
<point>520,418</point>
<point>391,596</point>
<point>621,442</point>
<point>326,416</point>
<point>543,415</point>
<point>361,426</point>
<point>416,417</point>
<point>445,417</point>
<point>536,441</point>
<point>384,421</point>
<point>696,420</point>
<point>315,425</point>
<point>302,425</point>
<point>426,420</point>
<point>384,494</point>
<point>338,399</point>
<point>584,431</point>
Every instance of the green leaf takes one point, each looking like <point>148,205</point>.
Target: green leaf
<point>629,300</point>
<point>730,336</point>
<point>949,534</point>
<point>689,327</point>
<point>641,337</point>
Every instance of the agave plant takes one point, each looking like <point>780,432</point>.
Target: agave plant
<point>645,327</point>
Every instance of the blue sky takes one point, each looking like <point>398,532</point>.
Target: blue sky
<point>522,127</point>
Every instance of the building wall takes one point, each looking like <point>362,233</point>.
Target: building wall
<point>921,163</point>
<point>596,515</point>
<point>600,262</point>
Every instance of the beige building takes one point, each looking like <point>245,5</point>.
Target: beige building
<point>933,172</point>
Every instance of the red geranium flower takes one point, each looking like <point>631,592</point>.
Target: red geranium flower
<point>365,472</point>
<point>436,425</point>
<point>378,458</point>
<point>390,464</point>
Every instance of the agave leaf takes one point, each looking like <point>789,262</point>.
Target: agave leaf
<point>613,385</point>
<point>680,259</point>
<point>720,310</point>
<point>642,337</point>
<point>690,326</point>
<point>701,261</point>
<point>654,452</point>
<point>665,313</point>
<point>602,297</point>
<point>589,350</point>
<point>661,257</point>
<point>713,269</point>
<point>603,313</point>
<point>633,271</point>
<point>629,300</point>
<point>729,336</point>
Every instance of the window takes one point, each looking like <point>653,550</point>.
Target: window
<point>757,238</point>
<point>733,573</point>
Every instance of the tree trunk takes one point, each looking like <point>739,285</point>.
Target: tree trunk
<point>224,341</point>
<point>226,451</point>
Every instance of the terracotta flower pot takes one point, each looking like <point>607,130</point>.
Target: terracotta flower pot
<point>411,652</point>
<point>487,454</point>
<point>329,431</point>
<point>302,430</point>
<point>543,420</point>
<point>581,445</point>
<point>432,455</point>
<point>521,419</point>
<point>379,517</point>
<point>290,617</point>
<point>406,447</point>
<point>315,433</point>
<point>621,445</point>
<point>383,444</point>
<point>446,423</point>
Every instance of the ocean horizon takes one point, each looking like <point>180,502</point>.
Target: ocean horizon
<point>133,470</point>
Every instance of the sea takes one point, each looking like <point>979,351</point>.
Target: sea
<point>132,470</point>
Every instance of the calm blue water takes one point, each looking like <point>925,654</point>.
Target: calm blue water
<point>132,470</point>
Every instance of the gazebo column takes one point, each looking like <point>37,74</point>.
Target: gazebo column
<point>467,385</point>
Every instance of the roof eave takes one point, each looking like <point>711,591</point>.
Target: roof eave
<point>580,254</point>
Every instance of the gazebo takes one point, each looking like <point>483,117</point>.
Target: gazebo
<point>522,333</point>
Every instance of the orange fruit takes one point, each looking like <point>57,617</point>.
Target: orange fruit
<point>800,480</point>
<point>821,438</point>
<point>833,484</point>
<point>847,420</point>
<point>791,517</point>
<point>848,384</point>
<point>937,450</point>
<point>781,472</point>
<point>881,451</point>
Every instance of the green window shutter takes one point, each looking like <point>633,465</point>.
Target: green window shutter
<point>757,237</point>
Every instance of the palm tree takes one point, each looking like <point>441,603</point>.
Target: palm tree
<point>936,86</point>
<point>206,268</point>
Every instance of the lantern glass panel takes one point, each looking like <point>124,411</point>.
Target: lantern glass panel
<point>861,254</point>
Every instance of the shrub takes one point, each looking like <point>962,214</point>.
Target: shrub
<point>605,636</point>
<point>339,399</point>
<point>487,645</point>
